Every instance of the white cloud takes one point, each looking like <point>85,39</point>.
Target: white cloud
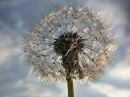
<point>121,72</point>
<point>9,41</point>
<point>111,91</point>
<point>34,89</point>
<point>6,48</point>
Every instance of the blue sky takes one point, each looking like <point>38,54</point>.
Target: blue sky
<point>19,16</point>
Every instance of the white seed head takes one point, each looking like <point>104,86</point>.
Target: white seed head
<point>72,42</point>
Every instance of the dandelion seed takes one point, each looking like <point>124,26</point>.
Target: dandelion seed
<point>70,44</point>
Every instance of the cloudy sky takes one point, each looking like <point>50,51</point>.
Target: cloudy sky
<point>19,16</point>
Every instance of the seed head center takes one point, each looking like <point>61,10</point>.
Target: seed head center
<point>68,42</point>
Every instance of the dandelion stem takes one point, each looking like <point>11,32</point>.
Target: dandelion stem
<point>70,87</point>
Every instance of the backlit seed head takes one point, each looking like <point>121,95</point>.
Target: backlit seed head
<point>70,43</point>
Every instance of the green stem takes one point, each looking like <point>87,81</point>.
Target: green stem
<point>70,87</point>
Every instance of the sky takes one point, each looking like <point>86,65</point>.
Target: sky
<point>17,17</point>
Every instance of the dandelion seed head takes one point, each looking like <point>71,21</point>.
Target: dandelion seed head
<point>69,43</point>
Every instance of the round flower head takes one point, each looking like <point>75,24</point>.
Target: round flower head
<point>70,43</point>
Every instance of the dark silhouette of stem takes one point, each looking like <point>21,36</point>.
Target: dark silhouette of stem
<point>70,87</point>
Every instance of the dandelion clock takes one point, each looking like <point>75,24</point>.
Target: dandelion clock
<point>71,44</point>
